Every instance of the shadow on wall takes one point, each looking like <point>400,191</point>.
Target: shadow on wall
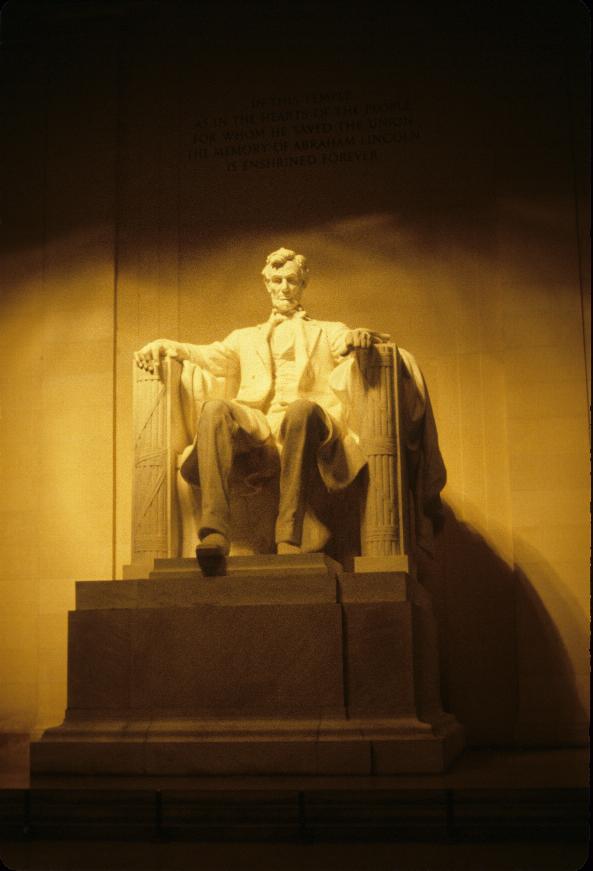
<point>505,671</point>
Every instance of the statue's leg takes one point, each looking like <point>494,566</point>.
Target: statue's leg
<point>303,430</point>
<point>217,431</point>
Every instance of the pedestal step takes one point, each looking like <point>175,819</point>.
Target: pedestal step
<point>490,796</point>
<point>184,590</point>
<point>299,564</point>
<point>192,747</point>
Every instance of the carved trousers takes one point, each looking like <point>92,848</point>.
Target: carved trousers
<point>303,430</point>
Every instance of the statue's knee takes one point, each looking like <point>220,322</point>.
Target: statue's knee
<point>213,412</point>
<point>300,413</point>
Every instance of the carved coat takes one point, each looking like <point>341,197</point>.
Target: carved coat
<point>239,369</point>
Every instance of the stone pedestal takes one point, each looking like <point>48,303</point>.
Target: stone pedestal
<point>285,666</point>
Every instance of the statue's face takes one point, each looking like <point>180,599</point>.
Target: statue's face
<point>285,288</point>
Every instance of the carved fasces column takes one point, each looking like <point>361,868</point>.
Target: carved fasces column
<point>159,436</point>
<point>385,521</point>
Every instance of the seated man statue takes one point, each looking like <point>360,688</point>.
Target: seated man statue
<point>289,394</point>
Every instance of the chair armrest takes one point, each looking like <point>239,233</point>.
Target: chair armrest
<point>159,436</point>
<point>385,527</point>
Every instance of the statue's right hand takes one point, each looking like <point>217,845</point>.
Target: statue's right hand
<point>149,357</point>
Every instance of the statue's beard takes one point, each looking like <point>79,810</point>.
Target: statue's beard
<point>284,306</point>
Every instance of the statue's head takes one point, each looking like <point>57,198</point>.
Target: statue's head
<point>285,276</point>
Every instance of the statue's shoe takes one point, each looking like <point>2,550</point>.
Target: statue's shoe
<point>285,547</point>
<point>211,554</point>
<point>216,539</point>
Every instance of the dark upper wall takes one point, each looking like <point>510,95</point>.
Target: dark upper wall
<point>461,64</point>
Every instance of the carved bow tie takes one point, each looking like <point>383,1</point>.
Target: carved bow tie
<point>278,317</point>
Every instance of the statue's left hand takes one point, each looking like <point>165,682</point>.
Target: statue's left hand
<point>149,357</point>
<point>363,338</point>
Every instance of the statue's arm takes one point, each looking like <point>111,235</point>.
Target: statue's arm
<point>343,339</point>
<point>216,357</point>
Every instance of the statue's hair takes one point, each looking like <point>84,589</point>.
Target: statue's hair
<point>277,259</point>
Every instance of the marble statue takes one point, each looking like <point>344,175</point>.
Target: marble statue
<point>284,367</point>
<point>289,393</point>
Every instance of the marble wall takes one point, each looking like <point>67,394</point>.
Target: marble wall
<point>466,241</point>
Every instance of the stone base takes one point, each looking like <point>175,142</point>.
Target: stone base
<point>198,748</point>
<point>258,565</point>
<point>397,563</point>
<point>287,665</point>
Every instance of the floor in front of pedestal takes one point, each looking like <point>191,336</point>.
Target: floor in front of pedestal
<point>117,856</point>
<point>495,809</point>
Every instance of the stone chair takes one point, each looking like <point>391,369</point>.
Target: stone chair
<point>166,508</point>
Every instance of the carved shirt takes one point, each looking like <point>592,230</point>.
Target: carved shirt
<point>282,344</point>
